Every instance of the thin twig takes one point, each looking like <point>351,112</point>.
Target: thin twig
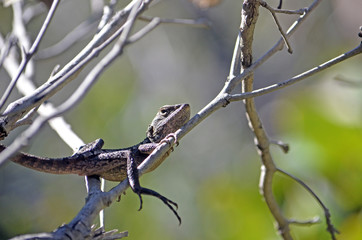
<point>348,82</point>
<point>283,146</point>
<point>293,80</point>
<point>272,11</point>
<point>26,87</point>
<point>201,22</point>
<point>80,92</point>
<point>6,47</point>
<point>286,11</point>
<point>155,21</point>
<point>306,222</point>
<point>74,36</point>
<point>108,11</point>
<point>235,63</point>
<point>128,27</point>
<point>33,11</point>
<point>20,107</point>
<point>232,82</point>
<point>30,53</point>
<point>28,118</point>
<point>331,229</point>
<point>146,29</point>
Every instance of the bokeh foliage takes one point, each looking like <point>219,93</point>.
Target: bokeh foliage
<point>213,175</point>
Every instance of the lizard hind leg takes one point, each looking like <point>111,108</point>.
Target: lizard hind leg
<point>133,179</point>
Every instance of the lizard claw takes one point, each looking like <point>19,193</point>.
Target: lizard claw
<point>141,190</point>
<point>119,197</point>
<point>173,135</point>
<point>141,201</point>
<point>170,204</point>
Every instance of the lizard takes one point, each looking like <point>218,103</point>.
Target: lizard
<point>116,164</point>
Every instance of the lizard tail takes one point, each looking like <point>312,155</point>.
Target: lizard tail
<point>54,165</point>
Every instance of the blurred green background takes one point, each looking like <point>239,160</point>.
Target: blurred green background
<point>213,175</point>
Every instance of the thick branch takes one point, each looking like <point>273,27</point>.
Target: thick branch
<point>249,16</point>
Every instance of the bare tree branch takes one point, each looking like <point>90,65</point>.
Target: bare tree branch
<point>118,25</point>
<point>283,146</point>
<point>79,33</point>
<point>69,72</point>
<point>306,222</point>
<point>285,11</point>
<point>234,80</point>
<point>258,92</point>
<point>6,46</point>
<point>331,229</point>
<point>80,92</point>
<point>249,16</point>
<point>27,87</point>
<point>28,54</point>
<point>272,11</point>
<point>197,23</point>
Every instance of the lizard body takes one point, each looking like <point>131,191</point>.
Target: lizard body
<point>110,164</point>
<point>115,164</point>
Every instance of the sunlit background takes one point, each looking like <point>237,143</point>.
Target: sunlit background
<point>213,175</point>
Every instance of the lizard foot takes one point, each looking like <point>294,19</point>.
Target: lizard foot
<point>171,204</point>
<point>119,197</point>
<point>132,175</point>
<point>165,140</point>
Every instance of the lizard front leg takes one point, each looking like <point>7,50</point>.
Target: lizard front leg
<point>133,179</point>
<point>90,148</point>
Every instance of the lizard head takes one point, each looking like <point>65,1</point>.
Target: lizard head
<point>167,120</point>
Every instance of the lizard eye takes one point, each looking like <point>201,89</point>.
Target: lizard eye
<point>163,111</point>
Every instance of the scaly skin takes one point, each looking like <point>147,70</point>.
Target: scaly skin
<point>110,164</point>
<point>116,164</point>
